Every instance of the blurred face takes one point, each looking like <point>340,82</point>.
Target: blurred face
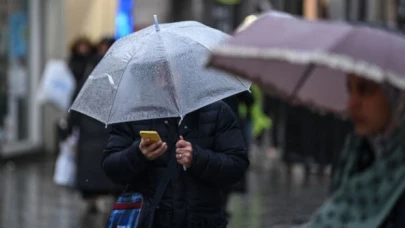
<point>368,106</point>
<point>83,49</point>
<point>102,49</point>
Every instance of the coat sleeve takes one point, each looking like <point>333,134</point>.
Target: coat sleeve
<point>227,162</point>
<point>123,161</point>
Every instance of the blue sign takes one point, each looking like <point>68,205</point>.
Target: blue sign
<point>124,22</point>
<point>18,35</point>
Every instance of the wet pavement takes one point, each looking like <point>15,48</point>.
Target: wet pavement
<point>28,197</point>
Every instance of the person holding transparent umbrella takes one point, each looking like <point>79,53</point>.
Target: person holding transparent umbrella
<point>155,80</point>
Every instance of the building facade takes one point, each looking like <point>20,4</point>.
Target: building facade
<point>20,60</point>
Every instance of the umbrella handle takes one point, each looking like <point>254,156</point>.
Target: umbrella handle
<point>181,119</point>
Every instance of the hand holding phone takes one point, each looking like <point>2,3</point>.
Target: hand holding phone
<point>151,145</point>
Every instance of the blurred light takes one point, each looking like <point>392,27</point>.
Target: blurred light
<point>124,19</point>
<point>246,23</point>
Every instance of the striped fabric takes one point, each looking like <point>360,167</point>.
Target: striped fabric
<point>126,211</point>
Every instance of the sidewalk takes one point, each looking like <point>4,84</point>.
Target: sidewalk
<point>28,198</point>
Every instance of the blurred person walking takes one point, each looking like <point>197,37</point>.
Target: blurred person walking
<point>93,136</point>
<point>81,51</point>
<point>99,51</point>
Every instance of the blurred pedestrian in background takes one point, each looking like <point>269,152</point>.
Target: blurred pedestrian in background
<point>93,135</point>
<point>99,51</point>
<point>81,51</point>
<point>370,171</point>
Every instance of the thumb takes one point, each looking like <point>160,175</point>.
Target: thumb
<point>180,143</point>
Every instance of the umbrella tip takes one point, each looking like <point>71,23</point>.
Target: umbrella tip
<point>156,22</point>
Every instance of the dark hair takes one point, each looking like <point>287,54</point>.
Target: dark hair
<point>109,41</point>
<point>78,41</point>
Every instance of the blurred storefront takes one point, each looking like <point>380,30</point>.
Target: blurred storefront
<point>20,61</point>
<point>93,19</point>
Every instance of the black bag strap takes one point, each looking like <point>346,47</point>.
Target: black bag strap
<point>171,167</point>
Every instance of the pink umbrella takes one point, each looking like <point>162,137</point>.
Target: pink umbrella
<point>307,61</point>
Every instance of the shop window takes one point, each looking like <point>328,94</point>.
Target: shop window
<point>14,78</point>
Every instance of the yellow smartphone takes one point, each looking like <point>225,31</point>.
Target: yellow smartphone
<point>152,135</point>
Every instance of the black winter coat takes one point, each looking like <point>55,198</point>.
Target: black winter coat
<point>90,176</point>
<point>193,197</point>
<point>93,137</point>
<point>78,65</point>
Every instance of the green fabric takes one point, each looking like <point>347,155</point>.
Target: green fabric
<point>364,199</point>
<point>243,110</point>
<point>260,120</point>
<point>229,2</point>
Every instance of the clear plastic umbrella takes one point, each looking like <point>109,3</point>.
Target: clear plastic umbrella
<point>157,72</point>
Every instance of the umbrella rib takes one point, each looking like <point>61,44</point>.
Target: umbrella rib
<point>119,82</point>
<point>302,80</point>
<point>170,71</point>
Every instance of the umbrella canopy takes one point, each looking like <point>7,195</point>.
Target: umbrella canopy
<point>307,61</point>
<point>157,72</point>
